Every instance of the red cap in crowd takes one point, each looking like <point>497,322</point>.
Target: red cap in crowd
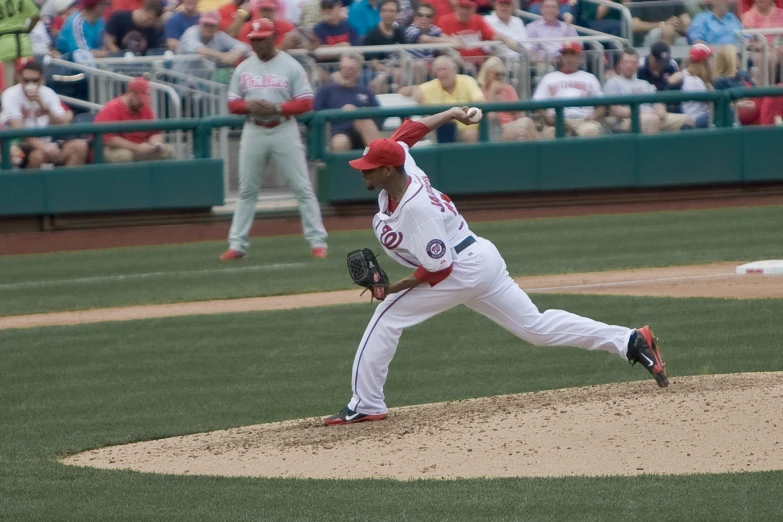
<point>504,1</point>
<point>267,4</point>
<point>141,87</point>
<point>210,18</point>
<point>467,3</point>
<point>21,62</point>
<point>571,46</point>
<point>700,52</point>
<point>382,152</point>
<point>261,28</point>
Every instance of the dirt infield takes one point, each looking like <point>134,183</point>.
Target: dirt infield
<point>714,280</point>
<point>704,424</point>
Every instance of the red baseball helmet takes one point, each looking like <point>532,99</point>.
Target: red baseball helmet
<point>262,28</point>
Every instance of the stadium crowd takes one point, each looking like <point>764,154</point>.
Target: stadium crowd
<point>469,72</point>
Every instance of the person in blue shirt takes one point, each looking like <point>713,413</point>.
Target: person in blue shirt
<point>364,16</point>
<point>347,93</point>
<point>332,31</point>
<point>84,30</point>
<point>717,26</point>
<point>180,22</point>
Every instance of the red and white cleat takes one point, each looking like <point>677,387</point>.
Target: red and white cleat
<point>231,255</point>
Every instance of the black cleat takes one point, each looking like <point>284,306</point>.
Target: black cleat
<point>643,349</point>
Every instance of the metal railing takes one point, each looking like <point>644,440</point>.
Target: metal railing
<point>721,101</point>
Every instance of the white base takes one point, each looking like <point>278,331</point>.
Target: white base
<point>773,266</point>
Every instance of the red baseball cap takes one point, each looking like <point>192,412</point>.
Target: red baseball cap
<point>267,4</point>
<point>210,18</point>
<point>467,3</point>
<point>261,28</point>
<point>571,46</point>
<point>383,152</point>
<point>700,52</point>
<point>504,1</point>
<point>141,87</point>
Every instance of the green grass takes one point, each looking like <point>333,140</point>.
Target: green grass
<point>67,389</point>
<point>189,272</point>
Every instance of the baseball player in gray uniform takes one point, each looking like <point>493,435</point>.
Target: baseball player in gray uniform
<point>270,88</point>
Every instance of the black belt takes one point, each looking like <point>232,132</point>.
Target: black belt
<point>464,244</point>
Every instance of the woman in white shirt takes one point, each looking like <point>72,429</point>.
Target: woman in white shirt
<point>697,77</point>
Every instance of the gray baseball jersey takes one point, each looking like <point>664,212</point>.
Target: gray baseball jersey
<point>620,85</point>
<point>279,80</point>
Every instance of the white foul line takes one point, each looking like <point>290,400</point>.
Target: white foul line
<point>631,282</point>
<point>148,275</point>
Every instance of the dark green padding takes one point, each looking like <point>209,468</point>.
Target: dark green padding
<point>587,163</point>
<point>762,154</point>
<point>487,168</point>
<point>105,188</point>
<point>690,158</point>
<point>21,193</point>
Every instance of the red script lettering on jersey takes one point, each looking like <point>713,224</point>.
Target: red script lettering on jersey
<point>436,201</point>
<point>265,81</point>
<point>389,238</point>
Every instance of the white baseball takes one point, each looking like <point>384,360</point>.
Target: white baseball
<point>474,114</point>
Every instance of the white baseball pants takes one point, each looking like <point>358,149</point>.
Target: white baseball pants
<point>480,281</point>
<point>284,145</point>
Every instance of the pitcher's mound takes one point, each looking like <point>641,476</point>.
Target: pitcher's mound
<point>708,424</point>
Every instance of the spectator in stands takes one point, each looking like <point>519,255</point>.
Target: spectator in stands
<point>748,4</point>
<point>233,15</point>
<point>364,16</point>
<point>601,17</point>
<point>449,88</point>
<point>471,29</point>
<point>348,94</point>
<point>422,31</point>
<point>125,147</point>
<point>311,14</point>
<point>763,15</point>
<point>728,75</point>
<point>718,26</point>
<point>136,31</point>
<point>31,104</point>
<point>550,27</point>
<point>286,36</point>
<point>333,30</point>
<point>697,77</point>
<point>503,21</point>
<point>14,38</point>
<point>658,66</point>
<point>565,9</point>
<point>667,22</point>
<point>654,118</point>
<point>508,126</point>
<point>210,42</point>
<point>567,83</point>
<point>84,30</point>
<point>442,8</point>
<point>180,22</point>
<point>386,66</point>
<point>771,110</point>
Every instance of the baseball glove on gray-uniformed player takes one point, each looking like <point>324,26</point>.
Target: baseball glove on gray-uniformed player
<point>365,271</point>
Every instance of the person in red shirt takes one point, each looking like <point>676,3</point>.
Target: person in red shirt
<point>125,147</point>
<point>771,110</point>
<point>470,28</point>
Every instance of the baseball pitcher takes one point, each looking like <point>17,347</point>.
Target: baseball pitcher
<point>421,228</point>
<point>270,88</point>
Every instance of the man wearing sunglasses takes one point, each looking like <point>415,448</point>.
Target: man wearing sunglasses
<point>29,104</point>
<point>423,31</point>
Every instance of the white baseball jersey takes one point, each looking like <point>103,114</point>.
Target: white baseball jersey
<point>558,85</point>
<point>16,105</point>
<point>279,80</point>
<point>620,85</point>
<point>425,226</point>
